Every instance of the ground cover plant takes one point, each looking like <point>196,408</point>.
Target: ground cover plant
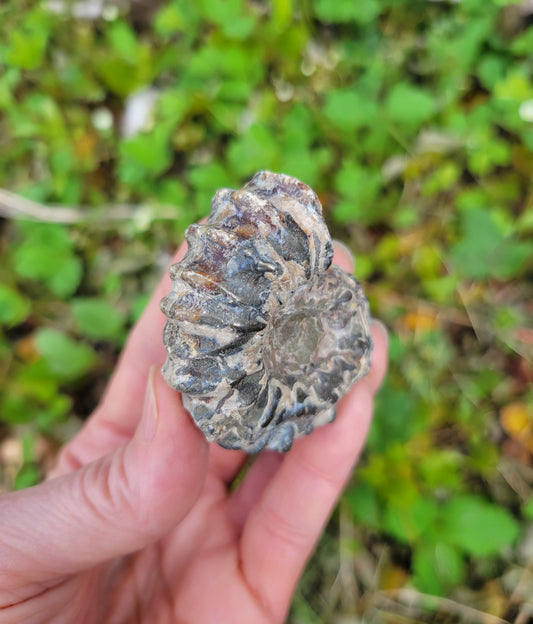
<point>413,120</point>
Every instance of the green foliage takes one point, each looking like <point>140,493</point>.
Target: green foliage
<point>13,308</point>
<point>484,250</point>
<point>358,188</point>
<point>348,110</point>
<point>437,567</point>
<point>341,11</point>
<point>252,151</point>
<point>409,105</point>
<point>97,319</point>
<point>411,120</point>
<point>27,44</point>
<point>396,418</point>
<point>128,64</point>
<point>527,509</point>
<point>477,527</point>
<point>65,358</point>
<point>46,255</point>
<point>30,473</point>
<point>147,153</point>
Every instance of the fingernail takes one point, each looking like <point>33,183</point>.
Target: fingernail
<point>150,414</point>
<point>341,246</point>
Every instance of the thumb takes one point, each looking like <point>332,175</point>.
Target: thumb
<point>113,506</point>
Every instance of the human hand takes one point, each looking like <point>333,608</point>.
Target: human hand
<point>138,523</point>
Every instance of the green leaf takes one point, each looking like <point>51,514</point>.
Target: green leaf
<point>169,20</point>
<point>524,43</point>
<point>282,12</point>
<point>138,306</point>
<point>239,28</point>
<point>527,509</point>
<point>409,523</point>
<point>8,82</point>
<point>476,526</point>
<point>150,151</point>
<point>173,193</point>
<point>210,177</point>
<point>118,75</point>
<point>177,17</point>
<point>442,469</point>
<point>363,502</point>
<point>231,16</point>
<point>298,127</point>
<point>347,110</point>
<point>484,250</point>
<point>98,319</point>
<point>66,279</point>
<point>27,48</point>
<point>410,105</point>
<point>437,567</point>
<point>391,474</point>
<point>514,87</point>
<point>256,149</point>
<point>28,475</point>
<point>47,255</point>
<point>13,307</point>
<point>340,11</point>
<point>444,178</point>
<point>54,413</point>
<point>36,382</point>
<point>358,188</point>
<point>297,157</point>
<point>305,164</point>
<point>397,418</point>
<point>67,359</point>
<point>491,70</point>
<point>123,40</point>
<point>172,105</point>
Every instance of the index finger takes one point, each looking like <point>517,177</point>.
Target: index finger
<point>115,419</point>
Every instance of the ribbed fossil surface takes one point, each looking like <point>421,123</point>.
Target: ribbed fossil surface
<point>264,334</point>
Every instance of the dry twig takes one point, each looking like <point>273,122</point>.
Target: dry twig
<point>412,598</point>
<point>13,206</point>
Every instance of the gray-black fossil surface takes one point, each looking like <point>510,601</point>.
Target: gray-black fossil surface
<point>263,333</point>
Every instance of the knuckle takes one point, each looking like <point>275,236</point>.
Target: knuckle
<point>108,492</point>
<point>283,530</point>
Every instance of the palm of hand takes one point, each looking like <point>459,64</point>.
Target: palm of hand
<point>139,523</point>
<point>191,575</point>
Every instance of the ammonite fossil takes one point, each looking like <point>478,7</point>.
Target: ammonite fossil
<point>264,334</point>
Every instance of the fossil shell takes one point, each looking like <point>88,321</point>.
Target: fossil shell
<point>263,335</point>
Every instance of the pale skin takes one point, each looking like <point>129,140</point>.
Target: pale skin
<point>137,522</point>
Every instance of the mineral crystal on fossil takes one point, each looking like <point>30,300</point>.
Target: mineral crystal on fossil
<point>264,334</point>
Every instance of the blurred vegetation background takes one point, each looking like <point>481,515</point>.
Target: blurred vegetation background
<point>413,120</point>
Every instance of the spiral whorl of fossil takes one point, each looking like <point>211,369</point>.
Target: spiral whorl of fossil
<point>263,334</point>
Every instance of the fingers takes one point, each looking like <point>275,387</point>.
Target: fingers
<point>342,256</point>
<point>115,420</point>
<point>113,506</point>
<point>252,487</point>
<point>224,463</point>
<point>291,510</point>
